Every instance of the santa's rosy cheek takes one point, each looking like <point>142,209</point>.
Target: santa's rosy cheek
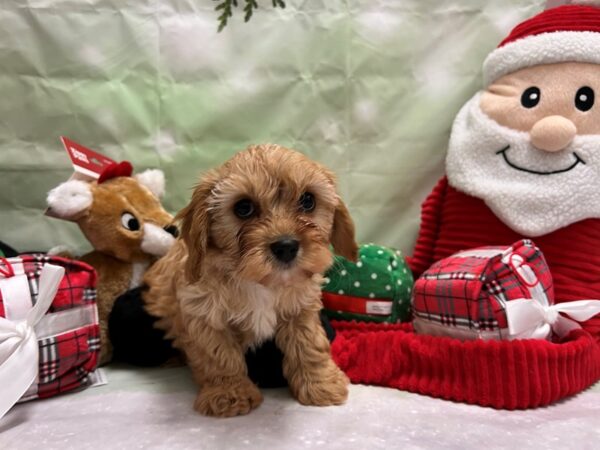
<point>506,109</point>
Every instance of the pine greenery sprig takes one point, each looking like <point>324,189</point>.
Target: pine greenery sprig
<point>226,8</point>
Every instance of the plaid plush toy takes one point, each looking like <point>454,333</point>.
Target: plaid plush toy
<point>466,295</point>
<point>47,312</point>
<point>376,288</point>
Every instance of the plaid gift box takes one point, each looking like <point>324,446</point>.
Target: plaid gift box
<point>67,334</point>
<point>466,295</point>
<point>376,288</point>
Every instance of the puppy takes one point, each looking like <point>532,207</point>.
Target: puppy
<point>255,241</point>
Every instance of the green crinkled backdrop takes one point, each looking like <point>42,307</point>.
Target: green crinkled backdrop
<point>368,87</point>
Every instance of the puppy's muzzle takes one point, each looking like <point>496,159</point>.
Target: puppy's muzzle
<point>285,250</point>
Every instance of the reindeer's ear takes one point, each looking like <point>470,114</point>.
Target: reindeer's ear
<point>70,200</point>
<point>342,233</point>
<point>154,180</point>
<point>195,227</point>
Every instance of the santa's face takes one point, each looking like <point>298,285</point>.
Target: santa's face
<point>529,146</point>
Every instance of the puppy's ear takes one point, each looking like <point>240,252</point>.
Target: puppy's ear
<point>342,233</point>
<point>195,225</point>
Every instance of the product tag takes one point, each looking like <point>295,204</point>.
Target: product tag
<point>379,308</point>
<point>88,164</point>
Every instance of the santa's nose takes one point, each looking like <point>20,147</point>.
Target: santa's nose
<point>552,133</point>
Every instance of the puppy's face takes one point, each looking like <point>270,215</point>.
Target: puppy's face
<point>267,215</point>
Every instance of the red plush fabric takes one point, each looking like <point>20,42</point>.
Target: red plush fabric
<point>463,222</point>
<point>501,374</point>
<point>122,169</point>
<point>431,217</point>
<point>562,18</point>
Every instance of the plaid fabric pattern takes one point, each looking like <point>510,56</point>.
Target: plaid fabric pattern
<point>470,289</point>
<point>66,359</point>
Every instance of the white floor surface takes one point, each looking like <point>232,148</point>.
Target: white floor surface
<point>153,409</point>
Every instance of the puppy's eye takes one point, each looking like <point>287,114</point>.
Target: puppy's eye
<point>584,98</point>
<point>244,208</point>
<point>531,97</point>
<point>307,202</point>
<point>130,222</point>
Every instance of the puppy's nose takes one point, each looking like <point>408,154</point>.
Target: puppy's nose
<point>285,250</point>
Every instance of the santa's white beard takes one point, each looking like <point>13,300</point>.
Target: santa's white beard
<point>532,191</point>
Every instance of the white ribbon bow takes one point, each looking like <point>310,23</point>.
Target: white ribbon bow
<point>530,317</point>
<point>19,352</point>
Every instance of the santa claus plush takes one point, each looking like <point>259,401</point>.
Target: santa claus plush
<point>524,156</point>
<point>523,162</point>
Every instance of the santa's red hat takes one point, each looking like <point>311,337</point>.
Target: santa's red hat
<point>568,33</point>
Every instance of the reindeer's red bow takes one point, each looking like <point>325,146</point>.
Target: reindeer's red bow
<point>122,169</point>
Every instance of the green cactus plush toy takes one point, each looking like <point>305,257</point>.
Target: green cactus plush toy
<point>376,288</point>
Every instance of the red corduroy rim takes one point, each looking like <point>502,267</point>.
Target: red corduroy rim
<point>510,375</point>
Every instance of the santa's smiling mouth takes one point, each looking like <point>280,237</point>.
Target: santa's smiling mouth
<point>539,172</point>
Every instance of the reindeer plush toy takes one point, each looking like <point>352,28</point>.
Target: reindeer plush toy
<point>122,217</point>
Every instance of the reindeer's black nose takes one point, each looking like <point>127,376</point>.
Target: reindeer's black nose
<point>285,250</point>
<point>172,229</point>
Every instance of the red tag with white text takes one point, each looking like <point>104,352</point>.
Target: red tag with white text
<point>86,162</point>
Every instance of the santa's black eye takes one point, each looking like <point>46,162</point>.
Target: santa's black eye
<point>307,202</point>
<point>531,97</point>
<point>129,222</point>
<point>584,98</point>
<point>244,208</point>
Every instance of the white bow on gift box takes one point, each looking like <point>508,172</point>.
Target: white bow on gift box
<point>533,319</point>
<point>19,351</point>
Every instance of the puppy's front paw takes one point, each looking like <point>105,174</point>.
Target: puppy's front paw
<point>232,398</point>
<point>329,387</point>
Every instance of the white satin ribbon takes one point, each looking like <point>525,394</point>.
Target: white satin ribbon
<point>530,317</point>
<point>19,351</point>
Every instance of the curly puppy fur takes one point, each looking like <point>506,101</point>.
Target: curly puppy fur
<point>223,288</point>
